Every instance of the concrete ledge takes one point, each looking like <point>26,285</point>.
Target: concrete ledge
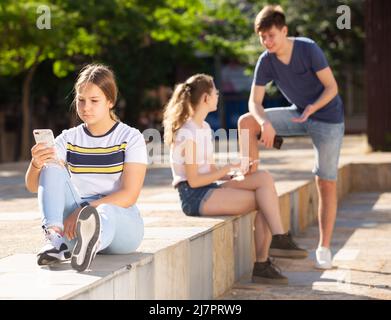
<point>183,257</point>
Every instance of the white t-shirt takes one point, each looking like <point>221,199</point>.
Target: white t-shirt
<point>204,149</point>
<point>96,162</point>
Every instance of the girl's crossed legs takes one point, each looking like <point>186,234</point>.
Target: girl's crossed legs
<point>241,195</point>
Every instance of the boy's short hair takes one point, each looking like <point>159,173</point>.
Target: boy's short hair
<point>269,16</point>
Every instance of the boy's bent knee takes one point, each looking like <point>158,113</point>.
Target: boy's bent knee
<point>247,121</point>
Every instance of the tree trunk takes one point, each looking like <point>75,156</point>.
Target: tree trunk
<point>2,136</point>
<point>26,130</point>
<point>349,87</point>
<point>378,70</point>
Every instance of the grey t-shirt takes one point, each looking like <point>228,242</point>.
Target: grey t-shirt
<point>298,81</point>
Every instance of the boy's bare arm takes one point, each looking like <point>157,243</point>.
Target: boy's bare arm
<point>330,88</point>
<point>256,109</point>
<point>330,91</point>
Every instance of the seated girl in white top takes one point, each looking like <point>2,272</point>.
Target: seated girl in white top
<point>195,176</point>
<point>91,207</point>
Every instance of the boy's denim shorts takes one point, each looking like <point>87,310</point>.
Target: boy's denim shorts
<point>326,138</point>
<point>193,198</point>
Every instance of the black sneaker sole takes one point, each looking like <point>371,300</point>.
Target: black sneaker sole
<point>87,215</point>
<point>262,280</point>
<point>45,259</point>
<point>290,254</point>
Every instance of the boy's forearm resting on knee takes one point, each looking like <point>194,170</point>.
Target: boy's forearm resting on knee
<point>258,112</point>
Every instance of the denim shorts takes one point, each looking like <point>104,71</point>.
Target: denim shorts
<point>193,198</point>
<point>326,138</point>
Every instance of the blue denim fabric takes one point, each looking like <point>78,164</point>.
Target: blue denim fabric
<point>192,198</point>
<point>122,228</point>
<point>326,138</point>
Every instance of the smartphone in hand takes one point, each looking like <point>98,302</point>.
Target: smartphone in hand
<point>45,136</point>
<point>277,143</point>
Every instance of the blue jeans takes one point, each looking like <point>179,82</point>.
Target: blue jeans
<point>122,228</point>
<point>326,138</point>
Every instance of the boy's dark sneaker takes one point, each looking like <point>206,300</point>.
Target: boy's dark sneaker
<point>283,246</point>
<point>87,235</point>
<point>55,250</point>
<point>268,273</point>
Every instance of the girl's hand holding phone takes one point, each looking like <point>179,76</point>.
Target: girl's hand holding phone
<point>41,154</point>
<point>243,168</point>
<point>239,169</point>
<point>44,151</point>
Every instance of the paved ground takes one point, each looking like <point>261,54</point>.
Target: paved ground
<point>362,261</point>
<point>363,218</point>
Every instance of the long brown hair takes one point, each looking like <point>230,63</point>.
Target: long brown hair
<point>181,106</point>
<point>103,77</point>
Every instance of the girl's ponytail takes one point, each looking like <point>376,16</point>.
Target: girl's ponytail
<point>177,111</point>
<point>182,103</point>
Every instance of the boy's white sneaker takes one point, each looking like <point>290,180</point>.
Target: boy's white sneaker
<point>323,258</point>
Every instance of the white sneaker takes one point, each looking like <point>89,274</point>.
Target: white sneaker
<point>88,230</point>
<point>55,250</point>
<point>323,258</point>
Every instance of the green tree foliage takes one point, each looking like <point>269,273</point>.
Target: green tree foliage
<point>24,46</point>
<point>317,20</point>
<point>147,43</point>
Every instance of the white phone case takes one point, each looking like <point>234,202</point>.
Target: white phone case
<point>44,136</point>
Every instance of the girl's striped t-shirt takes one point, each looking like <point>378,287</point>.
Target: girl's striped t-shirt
<point>96,162</point>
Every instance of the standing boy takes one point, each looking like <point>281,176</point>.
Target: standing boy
<point>300,70</point>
